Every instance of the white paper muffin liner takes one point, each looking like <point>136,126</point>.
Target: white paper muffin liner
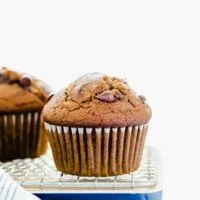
<point>97,151</point>
<point>22,135</point>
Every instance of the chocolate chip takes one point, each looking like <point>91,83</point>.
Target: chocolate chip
<point>118,94</point>
<point>143,98</point>
<point>106,96</point>
<point>50,95</point>
<point>25,80</point>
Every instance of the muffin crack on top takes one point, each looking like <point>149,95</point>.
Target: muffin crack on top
<point>104,88</point>
<point>98,86</point>
<point>96,99</point>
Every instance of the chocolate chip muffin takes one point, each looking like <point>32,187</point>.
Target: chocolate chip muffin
<point>22,98</point>
<point>97,126</point>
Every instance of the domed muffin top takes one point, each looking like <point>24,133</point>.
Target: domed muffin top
<point>97,100</point>
<point>21,92</point>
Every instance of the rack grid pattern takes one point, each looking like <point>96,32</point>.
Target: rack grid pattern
<point>41,174</point>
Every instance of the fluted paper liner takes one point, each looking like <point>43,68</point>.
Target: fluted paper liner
<point>22,135</point>
<point>97,151</point>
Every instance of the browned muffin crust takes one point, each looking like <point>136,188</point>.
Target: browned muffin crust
<point>96,100</point>
<point>20,92</point>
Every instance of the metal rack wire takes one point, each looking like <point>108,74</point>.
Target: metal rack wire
<point>41,174</point>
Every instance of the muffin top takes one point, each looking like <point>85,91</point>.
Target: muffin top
<point>21,92</point>
<point>97,100</point>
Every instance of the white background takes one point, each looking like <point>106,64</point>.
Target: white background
<point>154,44</point>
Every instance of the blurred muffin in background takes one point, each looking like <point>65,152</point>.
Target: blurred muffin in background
<point>97,126</point>
<point>22,98</point>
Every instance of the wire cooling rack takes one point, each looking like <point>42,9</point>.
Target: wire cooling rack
<point>40,174</point>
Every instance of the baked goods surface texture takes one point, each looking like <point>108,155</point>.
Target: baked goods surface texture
<point>20,92</point>
<point>97,100</point>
